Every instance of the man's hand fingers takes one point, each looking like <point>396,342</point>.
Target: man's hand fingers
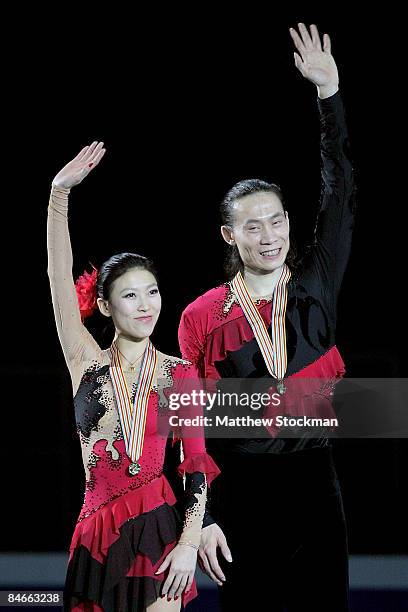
<point>316,37</point>
<point>299,64</point>
<point>215,567</point>
<point>207,569</point>
<point>304,32</point>
<point>298,41</point>
<point>224,549</point>
<point>326,43</point>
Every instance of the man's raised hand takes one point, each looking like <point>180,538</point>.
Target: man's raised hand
<point>315,62</point>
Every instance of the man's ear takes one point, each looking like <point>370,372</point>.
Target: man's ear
<point>287,218</point>
<point>103,307</point>
<point>227,234</point>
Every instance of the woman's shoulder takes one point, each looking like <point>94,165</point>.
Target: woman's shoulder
<point>176,365</point>
<point>171,359</point>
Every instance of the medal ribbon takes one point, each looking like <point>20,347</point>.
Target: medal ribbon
<point>133,422</point>
<point>273,349</point>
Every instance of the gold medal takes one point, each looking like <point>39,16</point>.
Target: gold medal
<point>134,468</point>
<point>280,387</point>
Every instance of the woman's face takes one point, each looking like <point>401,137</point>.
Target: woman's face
<point>134,303</point>
<point>260,231</point>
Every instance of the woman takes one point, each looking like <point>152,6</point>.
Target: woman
<point>129,551</point>
<point>278,499</point>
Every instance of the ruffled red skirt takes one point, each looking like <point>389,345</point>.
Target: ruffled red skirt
<point>115,552</point>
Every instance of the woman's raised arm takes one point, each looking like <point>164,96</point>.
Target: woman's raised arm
<point>77,343</point>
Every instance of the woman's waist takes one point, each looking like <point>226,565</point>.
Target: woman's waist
<point>143,493</point>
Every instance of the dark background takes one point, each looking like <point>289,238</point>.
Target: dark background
<point>187,104</point>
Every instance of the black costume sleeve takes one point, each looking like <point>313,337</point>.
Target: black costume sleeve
<point>327,258</point>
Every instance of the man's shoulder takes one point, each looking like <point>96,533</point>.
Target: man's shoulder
<point>207,301</point>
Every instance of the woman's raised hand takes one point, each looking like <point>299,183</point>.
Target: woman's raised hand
<point>315,63</point>
<point>77,169</point>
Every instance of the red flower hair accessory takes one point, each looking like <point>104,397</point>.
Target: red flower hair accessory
<point>85,287</point>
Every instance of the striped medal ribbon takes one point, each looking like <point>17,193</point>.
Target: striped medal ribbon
<point>273,349</point>
<point>133,419</point>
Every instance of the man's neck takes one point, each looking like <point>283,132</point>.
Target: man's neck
<point>261,285</point>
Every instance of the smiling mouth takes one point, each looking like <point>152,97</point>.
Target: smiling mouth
<point>271,253</point>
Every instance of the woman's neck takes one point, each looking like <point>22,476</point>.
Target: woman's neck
<point>131,348</point>
<point>261,285</point>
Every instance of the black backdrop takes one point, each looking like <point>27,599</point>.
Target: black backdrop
<point>197,104</point>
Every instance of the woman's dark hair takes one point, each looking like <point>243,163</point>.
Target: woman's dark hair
<point>233,262</point>
<point>117,265</point>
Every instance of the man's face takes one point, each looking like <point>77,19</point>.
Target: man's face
<point>260,230</point>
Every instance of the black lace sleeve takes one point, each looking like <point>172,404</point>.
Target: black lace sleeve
<point>192,506</point>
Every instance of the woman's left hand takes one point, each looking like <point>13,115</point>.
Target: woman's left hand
<point>315,63</point>
<point>182,561</point>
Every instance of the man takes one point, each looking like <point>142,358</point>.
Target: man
<point>278,502</point>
